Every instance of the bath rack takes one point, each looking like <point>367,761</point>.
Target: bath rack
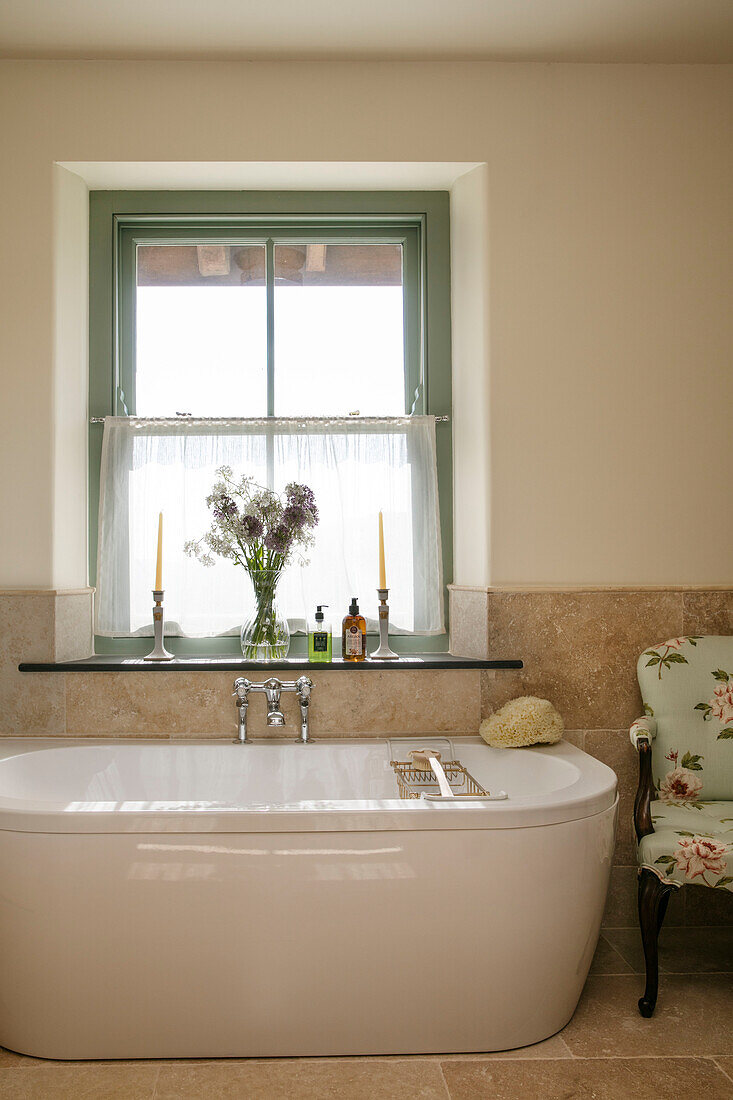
<point>415,782</point>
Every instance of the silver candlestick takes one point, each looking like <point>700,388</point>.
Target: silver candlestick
<point>158,652</point>
<point>384,653</point>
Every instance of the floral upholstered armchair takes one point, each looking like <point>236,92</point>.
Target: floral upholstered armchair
<point>683,812</point>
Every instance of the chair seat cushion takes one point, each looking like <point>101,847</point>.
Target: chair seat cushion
<point>691,843</point>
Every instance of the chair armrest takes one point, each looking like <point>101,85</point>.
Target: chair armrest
<point>642,733</point>
<point>643,728</point>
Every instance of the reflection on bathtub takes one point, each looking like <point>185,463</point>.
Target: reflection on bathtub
<point>225,850</point>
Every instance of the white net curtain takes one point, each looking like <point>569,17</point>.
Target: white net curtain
<point>354,466</point>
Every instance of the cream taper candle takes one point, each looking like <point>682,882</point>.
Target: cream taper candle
<point>159,565</point>
<point>382,569</point>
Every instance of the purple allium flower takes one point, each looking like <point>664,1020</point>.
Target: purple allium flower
<point>225,508</point>
<point>251,527</point>
<point>278,539</point>
<point>295,516</point>
<point>302,498</point>
<point>300,494</point>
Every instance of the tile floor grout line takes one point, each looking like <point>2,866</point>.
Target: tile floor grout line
<point>559,1035</point>
<point>445,1083</point>
<point>629,1058</point>
<point>616,952</point>
<point>715,1062</point>
<point>467,1056</point>
<point>668,974</point>
<point>662,973</point>
<point>513,1054</point>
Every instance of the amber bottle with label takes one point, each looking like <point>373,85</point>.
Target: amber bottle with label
<point>353,634</point>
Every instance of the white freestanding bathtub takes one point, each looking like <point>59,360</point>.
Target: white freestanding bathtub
<point>203,899</point>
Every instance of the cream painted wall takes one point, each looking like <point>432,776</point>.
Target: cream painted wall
<point>604,357</point>
<point>470,330</point>
<point>70,377</point>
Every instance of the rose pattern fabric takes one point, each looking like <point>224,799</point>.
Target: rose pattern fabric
<point>721,704</point>
<point>668,653</point>
<point>697,854</point>
<point>690,846</point>
<point>642,727</point>
<point>680,785</point>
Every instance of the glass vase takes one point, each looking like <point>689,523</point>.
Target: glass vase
<point>265,633</point>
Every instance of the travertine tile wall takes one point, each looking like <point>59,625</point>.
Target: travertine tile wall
<point>580,648</point>
<point>54,626</point>
<point>200,704</point>
<point>41,625</point>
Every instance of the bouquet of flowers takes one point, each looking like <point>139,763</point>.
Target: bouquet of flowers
<point>262,531</point>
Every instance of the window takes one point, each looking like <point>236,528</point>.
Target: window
<point>270,306</point>
<point>339,342</point>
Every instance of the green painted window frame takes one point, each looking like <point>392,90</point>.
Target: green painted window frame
<point>119,220</point>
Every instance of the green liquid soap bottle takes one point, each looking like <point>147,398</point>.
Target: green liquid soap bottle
<point>320,641</point>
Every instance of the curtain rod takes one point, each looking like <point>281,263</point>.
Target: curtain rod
<point>259,419</point>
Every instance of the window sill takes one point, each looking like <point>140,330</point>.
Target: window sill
<point>226,663</point>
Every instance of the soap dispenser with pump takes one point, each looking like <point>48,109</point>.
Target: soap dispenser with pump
<point>320,643</point>
<point>353,634</point>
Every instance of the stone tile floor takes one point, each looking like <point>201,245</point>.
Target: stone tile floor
<point>606,1052</point>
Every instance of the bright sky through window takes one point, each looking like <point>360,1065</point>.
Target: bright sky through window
<point>338,349</point>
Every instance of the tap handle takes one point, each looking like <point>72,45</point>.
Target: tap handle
<point>304,687</point>
<point>241,691</point>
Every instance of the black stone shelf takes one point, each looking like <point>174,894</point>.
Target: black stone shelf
<point>225,663</point>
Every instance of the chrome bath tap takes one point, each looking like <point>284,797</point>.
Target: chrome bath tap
<point>241,694</point>
<point>272,689</point>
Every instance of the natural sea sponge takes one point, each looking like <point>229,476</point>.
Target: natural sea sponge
<point>524,721</point>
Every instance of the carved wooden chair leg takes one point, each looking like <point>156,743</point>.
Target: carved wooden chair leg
<point>653,900</point>
<point>663,903</point>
